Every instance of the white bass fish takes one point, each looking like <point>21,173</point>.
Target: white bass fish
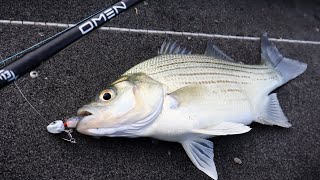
<point>185,98</point>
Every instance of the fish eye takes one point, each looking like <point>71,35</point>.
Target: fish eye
<point>106,95</point>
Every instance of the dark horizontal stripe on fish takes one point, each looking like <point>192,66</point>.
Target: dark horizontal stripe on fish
<point>210,68</point>
<point>231,90</point>
<point>245,66</point>
<point>214,82</point>
<point>269,78</point>
<point>204,74</point>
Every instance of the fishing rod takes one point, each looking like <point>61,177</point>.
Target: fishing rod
<point>58,42</point>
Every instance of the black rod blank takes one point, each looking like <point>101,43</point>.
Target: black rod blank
<point>34,58</point>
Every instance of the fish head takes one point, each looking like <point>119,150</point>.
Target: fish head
<point>125,108</point>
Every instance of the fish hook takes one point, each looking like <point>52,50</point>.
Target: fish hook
<point>71,139</point>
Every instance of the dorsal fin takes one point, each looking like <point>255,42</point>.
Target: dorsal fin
<point>172,48</point>
<point>214,51</point>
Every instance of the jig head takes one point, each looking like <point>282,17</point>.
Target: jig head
<point>59,126</point>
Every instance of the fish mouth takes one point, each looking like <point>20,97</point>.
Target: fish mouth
<point>86,111</point>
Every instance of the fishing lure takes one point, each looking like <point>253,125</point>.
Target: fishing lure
<point>67,126</point>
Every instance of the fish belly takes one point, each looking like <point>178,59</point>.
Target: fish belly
<point>200,112</point>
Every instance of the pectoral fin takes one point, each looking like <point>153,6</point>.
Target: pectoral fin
<point>200,151</point>
<point>224,128</point>
<point>189,94</point>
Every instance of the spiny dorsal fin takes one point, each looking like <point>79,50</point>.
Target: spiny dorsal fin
<point>172,48</point>
<point>214,51</point>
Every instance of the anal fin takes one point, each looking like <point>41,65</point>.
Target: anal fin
<point>272,114</point>
<point>224,128</point>
<point>200,151</point>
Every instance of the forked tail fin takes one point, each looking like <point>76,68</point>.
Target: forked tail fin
<point>287,68</point>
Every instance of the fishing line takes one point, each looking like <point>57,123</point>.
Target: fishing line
<point>70,139</point>
<point>25,98</point>
<point>1,64</point>
<point>33,56</point>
